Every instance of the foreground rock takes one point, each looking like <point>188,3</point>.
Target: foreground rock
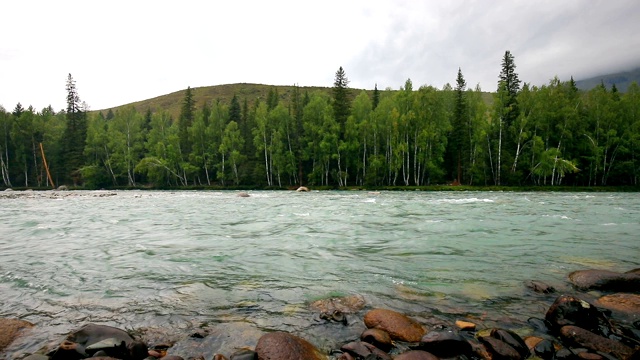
<point>606,280</point>
<point>11,329</point>
<point>582,338</point>
<point>102,340</point>
<point>570,310</point>
<point>445,344</point>
<point>284,346</point>
<point>398,326</point>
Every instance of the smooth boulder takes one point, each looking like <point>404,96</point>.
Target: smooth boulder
<point>91,339</point>
<point>606,280</point>
<point>445,344</point>
<point>10,329</point>
<point>583,338</point>
<point>284,346</point>
<point>399,326</point>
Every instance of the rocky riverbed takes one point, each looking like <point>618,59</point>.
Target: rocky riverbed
<point>599,319</point>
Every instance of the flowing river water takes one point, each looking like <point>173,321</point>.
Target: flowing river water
<point>179,261</point>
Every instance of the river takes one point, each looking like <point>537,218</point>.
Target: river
<point>185,260</point>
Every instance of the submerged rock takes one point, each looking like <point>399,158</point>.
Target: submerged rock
<point>540,287</point>
<point>621,302</point>
<point>11,329</point>
<point>606,280</point>
<point>399,326</point>
<point>284,346</point>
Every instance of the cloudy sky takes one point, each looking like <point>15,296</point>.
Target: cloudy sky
<point>124,51</point>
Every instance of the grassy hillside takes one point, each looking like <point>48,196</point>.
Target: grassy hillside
<point>173,101</point>
<point>621,79</point>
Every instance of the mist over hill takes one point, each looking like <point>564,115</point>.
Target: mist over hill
<point>622,80</point>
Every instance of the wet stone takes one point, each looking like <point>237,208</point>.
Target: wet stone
<point>285,346</point>
<point>399,326</point>
<point>584,338</point>
<point>378,338</point>
<point>445,344</point>
<point>540,287</point>
<point>416,355</point>
<point>570,310</point>
<point>499,349</point>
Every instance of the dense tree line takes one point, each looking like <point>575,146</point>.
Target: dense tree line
<point>525,135</point>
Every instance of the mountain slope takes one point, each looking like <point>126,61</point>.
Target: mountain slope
<point>621,79</point>
<point>172,102</point>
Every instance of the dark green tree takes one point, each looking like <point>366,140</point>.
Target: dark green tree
<point>187,114</point>
<point>235,113</point>
<point>75,134</point>
<point>341,102</point>
<point>459,136</point>
<point>376,97</point>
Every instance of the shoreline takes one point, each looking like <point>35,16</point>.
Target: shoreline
<point>608,326</point>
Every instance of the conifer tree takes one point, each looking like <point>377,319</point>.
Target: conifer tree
<point>75,134</point>
<point>376,97</point>
<point>187,114</point>
<point>341,103</point>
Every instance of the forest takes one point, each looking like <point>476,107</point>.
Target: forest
<point>549,135</point>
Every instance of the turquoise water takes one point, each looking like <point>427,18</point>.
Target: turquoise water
<point>182,259</point>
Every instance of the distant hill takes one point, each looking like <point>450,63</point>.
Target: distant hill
<point>172,102</point>
<point>621,79</point>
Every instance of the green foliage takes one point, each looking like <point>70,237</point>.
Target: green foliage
<point>552,135</point>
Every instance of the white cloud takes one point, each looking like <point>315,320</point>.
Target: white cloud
<point>124,51</point>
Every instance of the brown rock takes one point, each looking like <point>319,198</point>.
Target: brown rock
<point>634,271</point>
<point>378,338</point>
<point>361,349</point>
<point>589,356</point>
<point>284,346</point>
<point>605,280</point>
<point>532,341</point>
<point>416,355</point>
<point>499,349</point>
<point>587,339</point>
<point>465,325</point>
<point>399,326</point>
<point>10,329</point>
<point>622,302</point>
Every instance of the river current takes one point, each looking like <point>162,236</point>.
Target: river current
<point>189,259</point>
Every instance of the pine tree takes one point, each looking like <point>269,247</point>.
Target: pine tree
<point>341,104</point>
<point>510,84</point>
<point>187,114</point>
<point>376,97</point>
<point>235,113</point>
<point>458,138</point>
<point>75,134</point>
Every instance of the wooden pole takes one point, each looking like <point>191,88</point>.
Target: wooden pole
<point>46,167</point>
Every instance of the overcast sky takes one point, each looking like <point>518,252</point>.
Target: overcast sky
<point>124,51</point>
